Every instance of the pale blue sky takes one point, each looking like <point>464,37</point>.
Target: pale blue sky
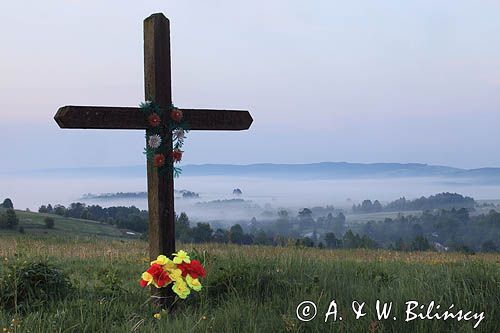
<point>357,81</point>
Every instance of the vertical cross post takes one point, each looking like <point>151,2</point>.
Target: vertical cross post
<point>157,84</point>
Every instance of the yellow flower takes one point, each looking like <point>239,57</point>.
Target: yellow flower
<point>169,266</point>
<point>180,257</point>
<point>161,260</point>
<point>147,277</point>
<point>175,275</point>
<point>181,289</point>
<point>193,283</point>
<point>157,316</point>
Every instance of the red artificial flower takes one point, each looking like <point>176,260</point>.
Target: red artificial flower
<point>194,269</point>
<point>154,120</point>
<point>159,160</point>
<point>176,115</point>
<point>177,155</point>
<point>159,275</point>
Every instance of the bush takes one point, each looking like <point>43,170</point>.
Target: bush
<point>49,222</point>
<point>31,285</point>
<point>9,219</point>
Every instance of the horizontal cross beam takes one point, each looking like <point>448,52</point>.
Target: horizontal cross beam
<point>101,117</point>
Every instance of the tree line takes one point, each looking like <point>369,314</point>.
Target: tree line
<point>439,201</point>
<point>131,218</point>
<point>444,229</point>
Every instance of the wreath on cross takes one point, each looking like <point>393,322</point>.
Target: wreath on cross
<point>157,148</point>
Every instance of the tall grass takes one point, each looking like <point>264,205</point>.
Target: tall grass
<point>256,288</point>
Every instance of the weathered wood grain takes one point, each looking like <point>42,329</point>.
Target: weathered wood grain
<point>101,117</point>
<point>157,83</point>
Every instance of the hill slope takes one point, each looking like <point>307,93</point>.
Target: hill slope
<point>33,223</point>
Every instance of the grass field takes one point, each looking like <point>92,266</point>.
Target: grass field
<point>254,289</point>
<point>33,223</point>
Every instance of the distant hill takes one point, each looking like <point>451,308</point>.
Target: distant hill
<point>323,170</point>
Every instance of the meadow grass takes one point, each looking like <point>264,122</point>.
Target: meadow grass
<point>34,223</point>
<point>254,288</point>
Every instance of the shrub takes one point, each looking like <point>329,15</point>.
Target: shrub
<point>49,222</point>
<point>8,219</point>
<point>31,285</point>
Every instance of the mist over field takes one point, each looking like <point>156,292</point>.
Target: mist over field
<point>267,188</point>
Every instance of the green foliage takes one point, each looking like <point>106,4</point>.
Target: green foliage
<point>49,222</point>
<point>109,282</point>
<point>420,243</point>
<point>7,203</point>
<point>27,285</point>
<point>304,242</point>
<point>182,230</point>
<point>202,233</point>
<point>123,217</point>
<point>332,241</point>
<point>9,219</point>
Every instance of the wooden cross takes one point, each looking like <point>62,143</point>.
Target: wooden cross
<point>157,82</point>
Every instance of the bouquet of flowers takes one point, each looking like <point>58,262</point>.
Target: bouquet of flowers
<point>182,272</point>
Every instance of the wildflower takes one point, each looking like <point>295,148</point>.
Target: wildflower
<point>157,316</point>
<point>180,257</point>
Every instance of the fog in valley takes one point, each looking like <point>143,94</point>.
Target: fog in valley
<point>261,198</point>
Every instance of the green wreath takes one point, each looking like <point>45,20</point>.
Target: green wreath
<point>156,150</point>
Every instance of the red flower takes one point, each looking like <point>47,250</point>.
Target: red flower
<point>159,275</point>
<point>154,120</point>
<point>177,155</point>
<point>163,279</point>
<point>144,283</point>
<point>159,160</point>
<point>194,269</point>
<point>176,115</point>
